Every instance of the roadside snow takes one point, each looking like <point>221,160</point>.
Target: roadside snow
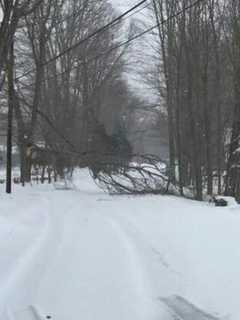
<point>84,254</point>
<point>188,248</point>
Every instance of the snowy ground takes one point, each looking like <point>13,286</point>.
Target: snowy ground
<point>82,254</point>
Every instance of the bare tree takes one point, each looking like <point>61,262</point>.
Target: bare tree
<point>12,12</point>
<point>233,165</point>
<point>190,60</point>
<point>67,93</point>
<point>36,32</point>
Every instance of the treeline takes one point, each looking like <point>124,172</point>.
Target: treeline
<point>198,78</point>
<point>66,93</point>
<point>70,94</point>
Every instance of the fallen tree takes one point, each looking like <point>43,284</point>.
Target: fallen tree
<point>146,174</point>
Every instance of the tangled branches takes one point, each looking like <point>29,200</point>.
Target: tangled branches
<point>145,174</point>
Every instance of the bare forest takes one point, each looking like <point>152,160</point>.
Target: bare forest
<point>67,102</point>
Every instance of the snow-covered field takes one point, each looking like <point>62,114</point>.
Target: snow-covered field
<point>81,254</point>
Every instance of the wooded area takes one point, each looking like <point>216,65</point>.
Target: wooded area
<point>63,99</point>
<point>63,70</point>
<point>198,60</point>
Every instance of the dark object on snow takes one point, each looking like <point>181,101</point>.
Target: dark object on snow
<point>17,180</point>
<point>184,309</point>
<point>220,202</point>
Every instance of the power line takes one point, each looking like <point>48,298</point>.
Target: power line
<point>117,46</point>
<point>134,13</point>
<point>72,68</point>
<point>124,43</point>
<point>89,60</point>
<point>76,14</point>
<point>50,123</point>
<point>77,44</point>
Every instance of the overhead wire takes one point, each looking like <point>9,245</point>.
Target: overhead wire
<point>17,79</point>
<point>139,35</point>
<point>82,41</point>
<point>123,43</point>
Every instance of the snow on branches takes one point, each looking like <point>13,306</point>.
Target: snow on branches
<point>146,174</point>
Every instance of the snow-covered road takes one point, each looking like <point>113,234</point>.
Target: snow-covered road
<point>95,271</point>
<point>83,254</point>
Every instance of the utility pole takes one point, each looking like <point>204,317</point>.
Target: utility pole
<point>10,78</point>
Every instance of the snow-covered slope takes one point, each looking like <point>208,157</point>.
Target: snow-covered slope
<point>81,254</point>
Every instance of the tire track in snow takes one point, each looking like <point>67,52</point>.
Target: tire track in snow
<point>23,280</point>
<point>134,262</point>
<point>181,309</point>
<point>177,307</point>
<point>144,244</point>
<point>96,272</point>
<point>139,272</point>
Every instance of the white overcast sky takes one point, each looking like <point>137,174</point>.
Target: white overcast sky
<point>138,84</point>
<point>123,4</point>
